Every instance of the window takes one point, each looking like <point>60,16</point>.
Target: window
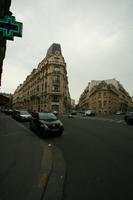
<point>56,79</point>
<point>55,107</point>
<point>37,89</point>
<point>105,103</point>
<point>99,94</point>
<point>55,88</point>
<point>55,98</point>
<point>100,104</point>
<point>56,68</point>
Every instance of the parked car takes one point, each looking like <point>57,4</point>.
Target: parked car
<point>70,116</point>
<point>46,123</point>
<point>8,111</point>
<point>14,113</point>
<point>129,118</point>
<point>120,113</point>
<point>73,112</point>
<point>21,115</point>
<point>89,113</point>
<point>5,110</point>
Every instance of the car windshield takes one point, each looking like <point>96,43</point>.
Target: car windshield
<point>130,114</point>
<point>24,112</point>
<point>88,111</point>
<point>47,116</point>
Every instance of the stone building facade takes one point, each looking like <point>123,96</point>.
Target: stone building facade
<point>4,101</point>
<point>46,88</point>
<point>106,96</point>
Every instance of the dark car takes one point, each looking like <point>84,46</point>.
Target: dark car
<point>73,112</point>
<point>8,111</point>
<point>120,113</point>
<point>14,113</point>
<point>129,118</point>
<point>21,115</point>
<point>70,116</point>
<point>46,123</point>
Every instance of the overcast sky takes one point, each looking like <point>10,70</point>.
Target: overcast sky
<point>96,38</point>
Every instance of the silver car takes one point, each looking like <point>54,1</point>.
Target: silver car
<point>22,115</point>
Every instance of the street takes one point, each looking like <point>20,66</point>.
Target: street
<point>98,155</point>
<point>99,158</point>
<point>74,61</point>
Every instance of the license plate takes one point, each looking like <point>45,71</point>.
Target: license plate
<point>55,129</point>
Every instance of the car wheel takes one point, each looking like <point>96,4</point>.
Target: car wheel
<point>38,132</point>
<point>129,122</point>
<point>60,133</point>
<point>31,128</point>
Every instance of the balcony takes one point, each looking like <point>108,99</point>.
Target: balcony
<point>56,83</point>
<point>55,100</point>
<point>33,97</point>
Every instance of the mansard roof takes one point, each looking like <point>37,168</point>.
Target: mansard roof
<point>53,48</point>
<point>102,85</point>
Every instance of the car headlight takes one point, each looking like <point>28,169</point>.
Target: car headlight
<point>61,124</point>
<point>44,126</point>
<point>22,116</point>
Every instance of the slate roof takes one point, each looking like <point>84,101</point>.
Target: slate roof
<point>54,47</point>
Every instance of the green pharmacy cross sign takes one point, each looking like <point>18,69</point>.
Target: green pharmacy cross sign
<point>10,28</point>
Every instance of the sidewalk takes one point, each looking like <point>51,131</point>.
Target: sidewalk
<point>27,164</point>
<point>30,169</point>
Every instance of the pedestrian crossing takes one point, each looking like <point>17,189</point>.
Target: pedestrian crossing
<point>115,120</point>
<point>111,120</point>
<point>119,121</point>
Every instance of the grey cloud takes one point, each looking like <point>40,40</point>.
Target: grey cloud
<point>95,36</point>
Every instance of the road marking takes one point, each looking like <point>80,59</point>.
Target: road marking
<point>102,119</point>
<point>120,121</point>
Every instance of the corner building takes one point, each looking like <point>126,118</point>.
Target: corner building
<point>105,96</point>
<point>46,88</point>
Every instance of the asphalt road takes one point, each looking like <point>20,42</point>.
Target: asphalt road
<point>99,158</point>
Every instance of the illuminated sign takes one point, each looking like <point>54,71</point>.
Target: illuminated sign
<point>10,28</point>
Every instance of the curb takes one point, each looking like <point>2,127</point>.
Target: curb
<point>39,188</point>
<point>55,186</point>
<point>50,181</point>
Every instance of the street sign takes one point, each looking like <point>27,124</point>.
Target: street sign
<point>9,27</point>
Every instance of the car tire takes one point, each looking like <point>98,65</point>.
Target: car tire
<point>31,127</point>
<point>60,132</point>
<point>129,122</point>
<point>38,132</point>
